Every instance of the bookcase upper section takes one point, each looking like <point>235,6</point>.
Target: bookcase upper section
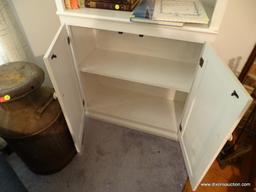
<point>120,21</point>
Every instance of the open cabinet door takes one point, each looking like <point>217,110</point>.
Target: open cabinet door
<point>215,106</point>
<point>60,66</point>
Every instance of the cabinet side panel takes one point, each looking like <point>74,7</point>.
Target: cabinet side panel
<point>218,14</point>
<point>60,5</point>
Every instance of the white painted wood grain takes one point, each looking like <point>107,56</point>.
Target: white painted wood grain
<point>64,79</point>
<point>212,115</point>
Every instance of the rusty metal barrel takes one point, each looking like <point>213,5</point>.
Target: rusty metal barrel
<point>31,121</point>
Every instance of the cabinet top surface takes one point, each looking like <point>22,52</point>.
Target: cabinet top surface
<point>124,17</point>
<point>120,21</point>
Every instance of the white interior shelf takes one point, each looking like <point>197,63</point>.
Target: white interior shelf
<point>150,70</point>
<point>143,107</point>
<point>134,109</point>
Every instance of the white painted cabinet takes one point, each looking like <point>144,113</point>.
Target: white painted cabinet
<point>161,80</point>
<point>215,106</point>
<point>60,66</point>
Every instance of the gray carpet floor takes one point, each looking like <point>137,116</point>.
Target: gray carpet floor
<point>114,159</point>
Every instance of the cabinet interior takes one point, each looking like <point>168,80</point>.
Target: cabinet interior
<point>155,61</point>
<point>133,80</point>
<point>148,108</point>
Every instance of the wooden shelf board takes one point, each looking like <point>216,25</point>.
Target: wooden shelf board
<point>140,68</point>
<point>148,113</point>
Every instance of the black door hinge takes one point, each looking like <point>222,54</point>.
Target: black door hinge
<point>201,62</point>
<point>53,56</point>
<point>83,102</point>
<point>234,94</point>
<point>180,128</point>
<point>68,40</point>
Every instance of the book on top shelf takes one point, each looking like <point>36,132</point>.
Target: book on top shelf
<point>119,5</point>
<point>74,4</point>
<point>67,4</point>
<point>144,13</point>
<point>81,3</point>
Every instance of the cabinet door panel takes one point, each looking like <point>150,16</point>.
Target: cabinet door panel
<point>60,66</point>
<point>214,108</point>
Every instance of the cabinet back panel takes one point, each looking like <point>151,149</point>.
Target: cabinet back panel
<point>150,46</point>
<point>94,83</point>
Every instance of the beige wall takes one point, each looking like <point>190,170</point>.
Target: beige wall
<point>39,22</point>
<point>237,34</point>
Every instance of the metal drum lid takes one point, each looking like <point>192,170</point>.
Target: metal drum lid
<point>18,79</point>
<point>29,115</point>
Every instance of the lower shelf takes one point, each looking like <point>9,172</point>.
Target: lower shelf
<point>133,125</point>
<point>148,113</point>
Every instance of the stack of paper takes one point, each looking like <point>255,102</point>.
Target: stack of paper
<point>170,12</point>
<point>188,11</point>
